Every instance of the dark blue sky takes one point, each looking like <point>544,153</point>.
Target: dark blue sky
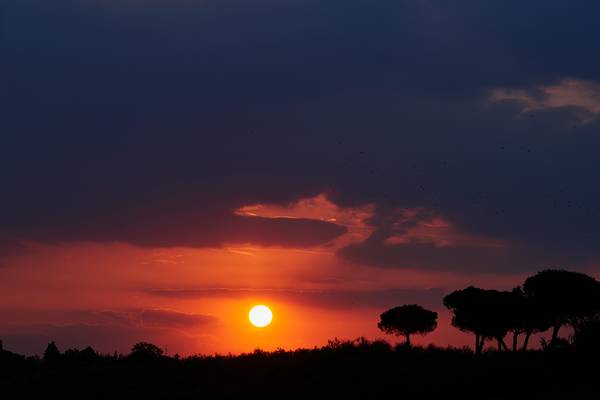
<point>149,122</point>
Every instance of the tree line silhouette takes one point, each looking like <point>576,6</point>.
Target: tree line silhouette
<point>548,300</point>
<point>359,368</point>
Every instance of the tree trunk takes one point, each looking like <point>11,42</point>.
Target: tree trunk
<point>408,340</point>
<point>477,350</point>
<point>515,341</point>
<point>501,344</point>
<point>481,344</point>
<point>554,335</point>
<point>526,341</point>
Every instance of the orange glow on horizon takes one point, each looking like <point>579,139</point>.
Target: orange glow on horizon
<point>116,288</point>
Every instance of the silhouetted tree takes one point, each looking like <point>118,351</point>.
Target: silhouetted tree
<point>51,354</point>
<point>516,314</point>
<point>145,350</point>
<point>523,317</point>
<point>481,312</point>
<point>470,313</point>
<point>498,315</point>
<point>463,305</point>
<point>564,298</point>
<point>408,320</point>
<point>85,356</point>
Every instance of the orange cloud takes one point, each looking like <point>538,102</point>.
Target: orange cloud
<point>322,209</point>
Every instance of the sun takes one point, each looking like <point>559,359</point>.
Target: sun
<point>260,316</point>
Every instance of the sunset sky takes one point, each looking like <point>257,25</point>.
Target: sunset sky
<point>167,164</point>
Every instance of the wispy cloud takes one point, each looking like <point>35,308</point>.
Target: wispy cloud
<point>337,299</point>
<point>568,92</point>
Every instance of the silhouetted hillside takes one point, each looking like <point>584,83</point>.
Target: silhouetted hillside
<point>343,369</point>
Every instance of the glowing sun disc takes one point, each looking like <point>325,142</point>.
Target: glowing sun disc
<point>260,316</point>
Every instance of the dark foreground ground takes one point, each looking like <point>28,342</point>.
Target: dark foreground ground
<point>341,370</point>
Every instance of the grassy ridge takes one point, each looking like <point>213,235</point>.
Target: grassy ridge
<point>352,369</point>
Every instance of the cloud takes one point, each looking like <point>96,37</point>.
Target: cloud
<point>162,318</point>
<point>139,318</point>
<point>584,95</point>
<point>195,230</point>
<point>159,145</point>
<point>422,239</point>
<point>464,259</point>
<point>318,208</point>
<point>104,330</point>
<point>334,299</point>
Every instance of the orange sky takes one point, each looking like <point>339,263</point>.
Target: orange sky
<point>197,300</point>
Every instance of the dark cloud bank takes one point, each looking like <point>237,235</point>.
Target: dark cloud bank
<point>150,122</point>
